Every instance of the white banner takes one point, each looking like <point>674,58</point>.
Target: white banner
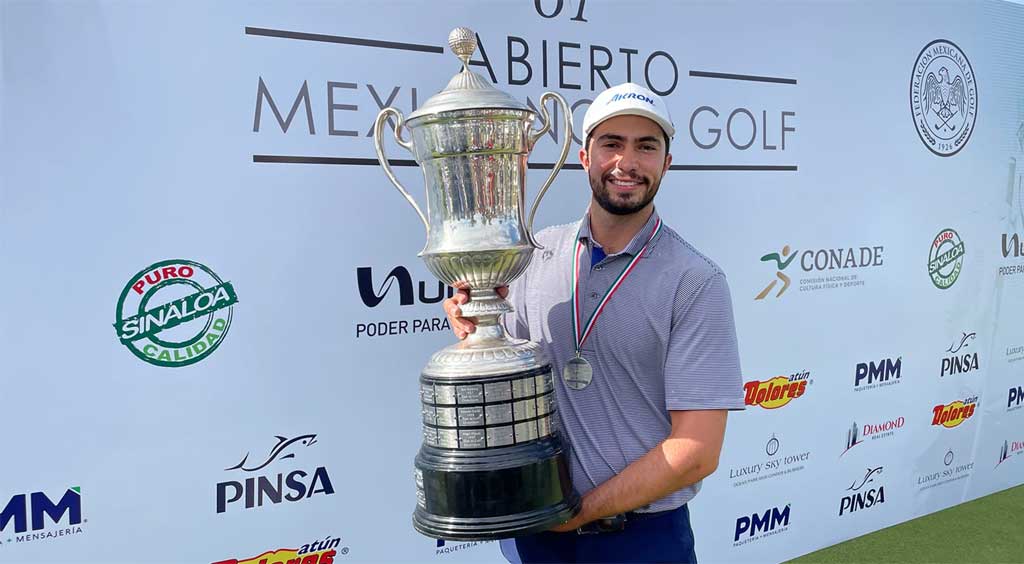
<point>214,317</point>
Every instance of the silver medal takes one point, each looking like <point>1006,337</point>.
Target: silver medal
<point>578,373</point>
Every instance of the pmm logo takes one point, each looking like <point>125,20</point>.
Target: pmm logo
<point>1016,398</point>
<point>761,523</point>
<point>878,372</point>
<point>406,296</point>
<point>38,505</point>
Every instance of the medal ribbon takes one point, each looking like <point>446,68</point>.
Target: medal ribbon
<point>582,332</point>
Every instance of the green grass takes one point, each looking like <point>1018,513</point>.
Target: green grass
<point>989,529</point>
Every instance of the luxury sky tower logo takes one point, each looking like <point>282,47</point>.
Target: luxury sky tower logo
<point>174,313</point>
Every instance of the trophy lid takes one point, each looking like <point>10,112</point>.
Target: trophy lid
<point>467,90</point>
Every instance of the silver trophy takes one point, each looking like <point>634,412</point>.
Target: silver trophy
<point>492,464</point>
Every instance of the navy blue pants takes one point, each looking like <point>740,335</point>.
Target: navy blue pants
<point>665,538</point>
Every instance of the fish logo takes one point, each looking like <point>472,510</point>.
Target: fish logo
<point>963,342</point>
<point>867,479</point>
<point>283,443</point>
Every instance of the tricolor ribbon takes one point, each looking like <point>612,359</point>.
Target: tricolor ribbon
<point>581,336</point>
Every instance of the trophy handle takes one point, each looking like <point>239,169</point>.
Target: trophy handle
<point>378,143</point>
<point>534,136</point>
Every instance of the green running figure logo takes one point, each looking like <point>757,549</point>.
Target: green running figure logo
<point>789,256</point>
<point>191,321</point>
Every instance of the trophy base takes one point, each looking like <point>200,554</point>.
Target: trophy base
<point>494,493</point>
<point>492,464</point>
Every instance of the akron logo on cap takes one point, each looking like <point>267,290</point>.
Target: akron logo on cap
<point>631,96</point>
<point>943,97</point>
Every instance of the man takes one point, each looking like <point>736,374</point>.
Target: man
<point>642,346</point>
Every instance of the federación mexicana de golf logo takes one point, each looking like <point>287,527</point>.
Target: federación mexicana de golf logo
<point>174,313</point>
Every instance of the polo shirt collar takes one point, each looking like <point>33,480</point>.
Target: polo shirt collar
<point>635,245</point>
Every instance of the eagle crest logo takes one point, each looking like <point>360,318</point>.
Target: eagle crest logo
<point>943,97</point>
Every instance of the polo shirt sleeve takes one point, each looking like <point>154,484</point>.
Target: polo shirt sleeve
<point>702,367</point>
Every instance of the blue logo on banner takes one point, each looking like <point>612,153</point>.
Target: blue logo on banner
<point>37,506</point>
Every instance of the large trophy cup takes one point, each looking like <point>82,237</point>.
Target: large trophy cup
<point>492,464</point>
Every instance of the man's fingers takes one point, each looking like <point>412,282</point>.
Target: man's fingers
<point>502,291</point>
<point>452,308</point>
<point>461,326</point>
<point>465,326</point>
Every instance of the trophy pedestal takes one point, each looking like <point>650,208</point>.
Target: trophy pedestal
<point>493,494</point>
<point>492,464</point>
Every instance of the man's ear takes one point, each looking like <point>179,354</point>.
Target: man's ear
<point>668,163</point>
<point>584,158</point>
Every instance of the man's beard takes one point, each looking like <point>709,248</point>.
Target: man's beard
<point>603,197</point>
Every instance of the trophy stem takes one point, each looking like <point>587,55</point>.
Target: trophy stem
<point>486,306</point>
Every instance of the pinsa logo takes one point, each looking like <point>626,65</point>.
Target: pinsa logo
<point>778,391</point>
<point>953,414</point>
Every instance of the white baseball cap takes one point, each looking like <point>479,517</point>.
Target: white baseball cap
<point>628,99</point>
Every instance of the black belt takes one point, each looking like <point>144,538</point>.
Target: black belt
<point>618,523</point>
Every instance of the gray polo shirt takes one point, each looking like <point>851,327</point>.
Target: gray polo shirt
<point>665,341</point>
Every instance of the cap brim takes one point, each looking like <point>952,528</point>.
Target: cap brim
<point>662,122</point>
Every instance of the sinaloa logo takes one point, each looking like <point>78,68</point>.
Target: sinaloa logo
<point>174,313</point>
<point>946,258</point>
<point>943,97</point>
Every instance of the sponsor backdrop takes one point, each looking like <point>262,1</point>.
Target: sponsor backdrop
<point>214,316</point>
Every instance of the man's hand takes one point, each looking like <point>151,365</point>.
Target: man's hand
<point>688,455</point>
<point>463,326</point>
<point>576,522</point>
